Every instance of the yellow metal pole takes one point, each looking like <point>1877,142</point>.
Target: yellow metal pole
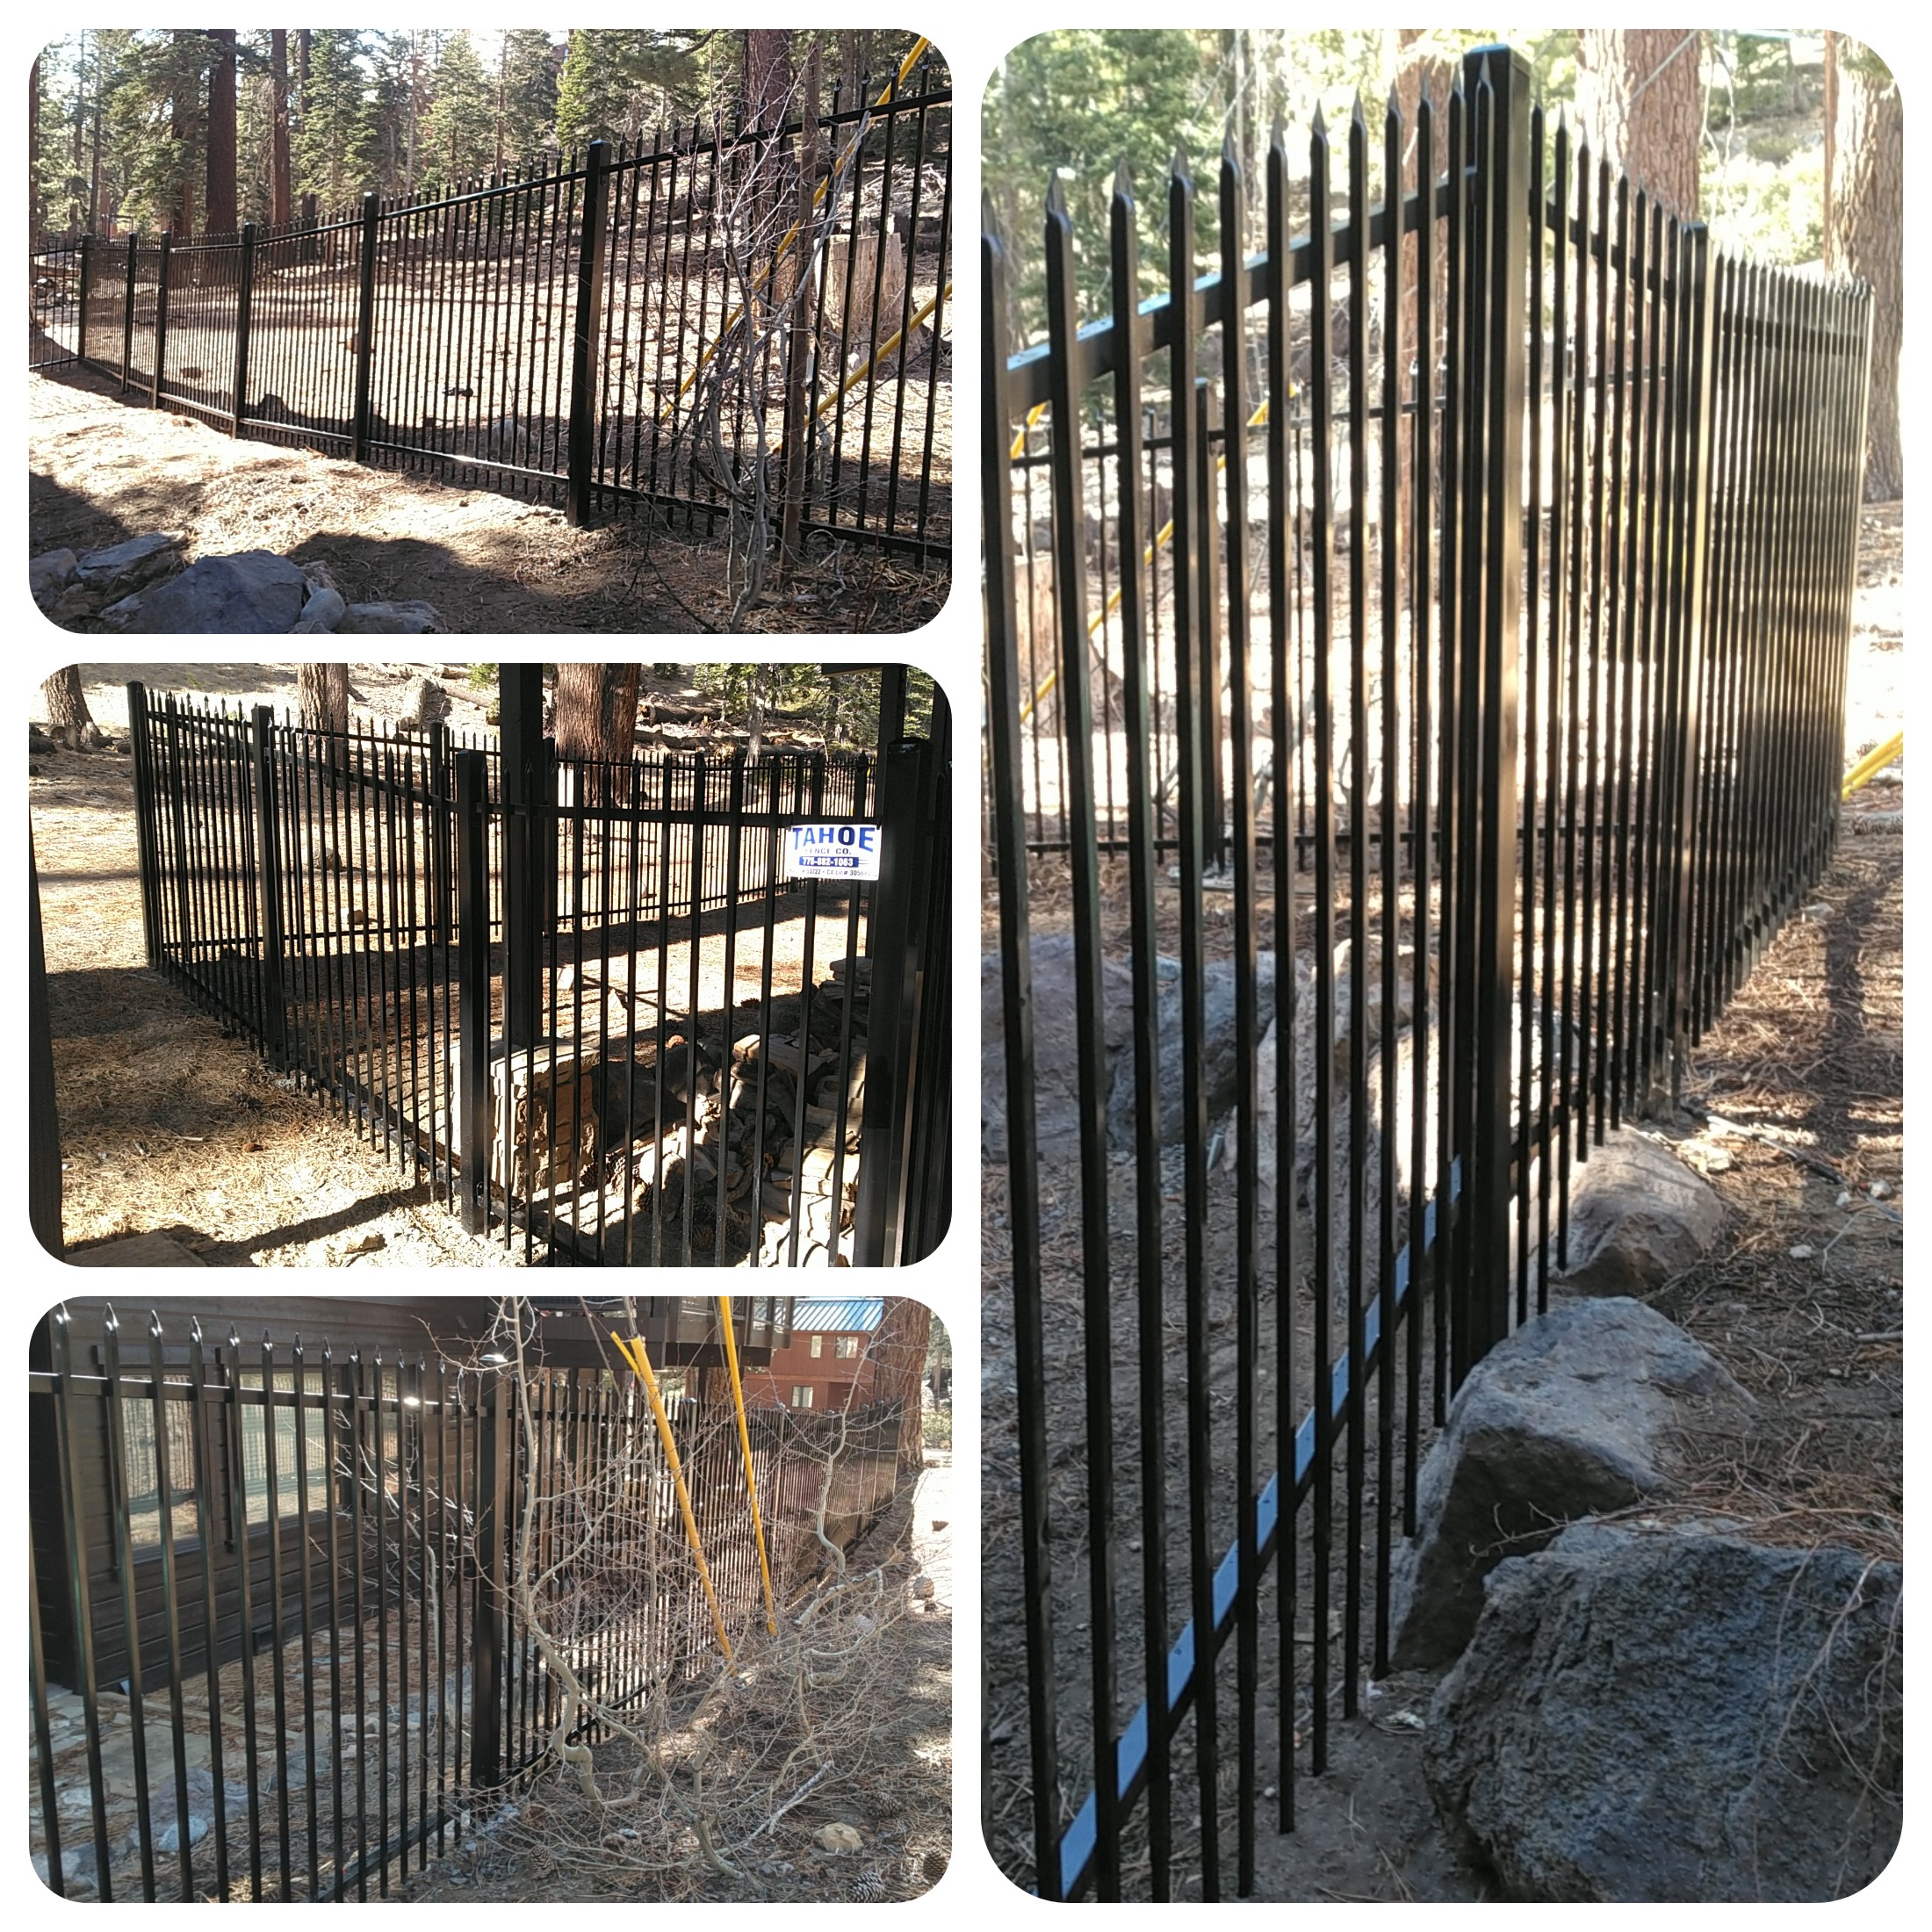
<point>818,195</point>
<point>745,1446</point>
<point>879,354</point>
<point>1872,764</point>
<point>641,1362</point>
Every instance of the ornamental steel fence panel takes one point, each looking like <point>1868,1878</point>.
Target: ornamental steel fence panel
<point>1415,658</point>
<point>293,1609</point>
<point>584,1002</point>
<point>738,327</point>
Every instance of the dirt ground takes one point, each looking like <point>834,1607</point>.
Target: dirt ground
<point>1794,1110</point>
<point>100,469</point>
<point>170,1122</point>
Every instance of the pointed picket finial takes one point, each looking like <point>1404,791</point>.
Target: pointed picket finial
<point>1230,156</point>
<point>1358,117</point>
<point>1057,197</point>
<point>1278,138</point>
<point>1123,181</point>
<point>1318,126</point>
<point>989,215</point>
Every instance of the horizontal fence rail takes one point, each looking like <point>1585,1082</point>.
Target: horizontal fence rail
<point>1417,655</point>
<point>732,326</point>
<point>580,1000</point>
<point>278,1640</point>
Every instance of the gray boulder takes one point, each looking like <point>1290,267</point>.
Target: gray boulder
<point>253,591</point>
<point>1677,1716</point>
<point>1568,1417</point>
<point>1056,1052</point>
<point>409,617</point>
<point>125,564</point>
<point>322,612</point>
<point>120,615</point>
<point>1217,1048</point>
<point>48,572</point>
<point>1638,1218</point>
<point>77,1867</point>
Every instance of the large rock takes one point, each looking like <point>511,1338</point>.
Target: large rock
<point>409,617</point>
<point>1218,1063</point>
<point>1055,1050</point>
<point>1676,1716</point>
<point>48,572</point>
<point>124,566</point>
<point>255,592</point>
<point>1568,1417</point>
<point>322,612</point>
<point>1638,1218</point>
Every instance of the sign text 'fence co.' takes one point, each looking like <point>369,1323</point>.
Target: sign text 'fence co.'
<point>833,851</point>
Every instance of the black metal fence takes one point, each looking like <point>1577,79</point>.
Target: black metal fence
<point>1432,630</point>
<point>278,1640</point>
<point>739,325</point>
<point>580,1000</point>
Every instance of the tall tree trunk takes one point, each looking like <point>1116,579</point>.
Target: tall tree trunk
<point>67,711</point>
<point>321,691</point>
<point>221,218</point>
<point>1864,230</point>
<point>281,199</point>
<point>597,710</point>
<point>1640,101</point>
<point>899,1352</point>
<point>34,154</point>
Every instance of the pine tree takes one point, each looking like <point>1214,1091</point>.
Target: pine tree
<point>619,83</point>
<point>459,131</point>
<point>331,153</point>
<point>527,94</point>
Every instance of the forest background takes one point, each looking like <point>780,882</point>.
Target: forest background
<point>1788,144</point>
<point>200,129</point>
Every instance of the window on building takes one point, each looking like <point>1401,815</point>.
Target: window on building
<point>801,1393</point>
<point>817,1347</point>
<point>845,1347</point>
<point>295,1456</point>
<point>144,1472</point>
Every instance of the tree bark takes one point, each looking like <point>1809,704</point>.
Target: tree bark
<point>67,711</point>
<point>898,1354</point>
<point>322,692</point>
<point>1864,231</point>
<point>220,215</point>
<point>281,202</point>
<point>1640,103</point>
<point>597,710</point>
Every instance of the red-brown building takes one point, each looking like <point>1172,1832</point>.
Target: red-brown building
<point>827,1364</point>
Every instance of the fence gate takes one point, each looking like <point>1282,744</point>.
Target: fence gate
<point>1424,641</point>
<point>276,1638</point>
<point>583,1001</point>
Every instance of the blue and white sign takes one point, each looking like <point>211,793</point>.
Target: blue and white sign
<point>831,852</point>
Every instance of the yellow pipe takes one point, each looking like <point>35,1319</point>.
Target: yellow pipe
<point>641,1362</point>
<point>879,354</point>
<point>1872,764</point>
<point>745,1446</point>
<point>1161,537</point>
<point>818,195</point>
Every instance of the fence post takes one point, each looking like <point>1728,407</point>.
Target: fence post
<point>127,313</point>
<point>269,872</point>
<point>437,787</point>
<point>524,767</point>
<point>892,943</point>
<point>1501,309</point>
<point>488,1602</point>
<point>43,1117</point>
<point>585,341</point>
<point>472,912</point>
<point>141,745</point>
<point>366,330</point>
<point>86,292</point>
<point>1695,397</point>
<point>161,318</point>
<point>241,308</point>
